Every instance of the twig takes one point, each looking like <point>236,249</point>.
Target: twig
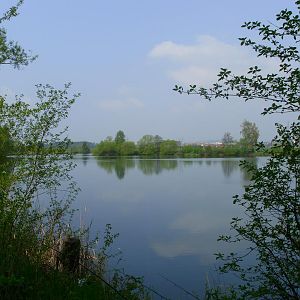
<point>180,287</point>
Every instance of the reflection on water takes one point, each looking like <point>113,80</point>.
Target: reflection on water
<point>228,166</point>
<point>168,212</point>
<point>250,160</point>
<point>85,159</point>
<point>156,166</point>
<point>120,166</point>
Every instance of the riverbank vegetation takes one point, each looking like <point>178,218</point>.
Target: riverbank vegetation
<point>81,147</point>
<point>42,255</point>
<point>36,213</point>
<point>156,146</point>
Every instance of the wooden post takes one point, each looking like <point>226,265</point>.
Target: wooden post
<point>70,255</point>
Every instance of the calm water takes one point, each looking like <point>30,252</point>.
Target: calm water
<point>168,212</point>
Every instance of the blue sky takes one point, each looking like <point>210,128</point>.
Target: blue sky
<point>125,57</point>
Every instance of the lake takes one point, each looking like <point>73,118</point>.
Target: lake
<point>168,212</point>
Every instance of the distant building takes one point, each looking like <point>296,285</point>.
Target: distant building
<point>205,144</point>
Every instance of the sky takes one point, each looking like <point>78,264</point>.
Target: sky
<point>125,57</point>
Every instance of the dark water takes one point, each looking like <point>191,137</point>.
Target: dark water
<point>168,212</point>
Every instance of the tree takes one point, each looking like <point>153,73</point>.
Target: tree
<point>169,147</point>
<point>106,148</point>
<point>250,134</point>
<point>35,170</point>
<point>120,137</point>
<point>85,149</point>
<point>11,53</point>
<point>149,145</point>
<point>128,148</point>
<point>6,143</point>
<point>227,138</point>
<point>37,192</point>
<point>271,225</point>
<point>146,145</point>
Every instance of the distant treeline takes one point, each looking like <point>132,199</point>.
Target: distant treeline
<point>148,145</point>
<point>156,146</point>
<point>81,147</point>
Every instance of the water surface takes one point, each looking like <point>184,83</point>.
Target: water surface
<point>168,212</point>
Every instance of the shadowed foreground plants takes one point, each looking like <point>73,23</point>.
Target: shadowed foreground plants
<point>36,195</point>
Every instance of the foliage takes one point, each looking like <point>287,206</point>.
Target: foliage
<point>36,192</point>
<point>131,287</point>
<point>37,170</point>
<point>106,148</point>
<point>271,202</point>
<point>155,146</point>
<point>120,137</point>
<point>250,134</point>
<point>80,147</point>
<point>280,89</point>
<point>11,53</point>
<point>85,149</point>
<point>149,145</point>
<point>168,148</point>
<point>227,138</point>
<point>34,212</point>
<point>6,144</point>
<point>128,148</point>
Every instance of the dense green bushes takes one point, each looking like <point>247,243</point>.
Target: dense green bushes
<point>156,146</point>
<point>171,148</point>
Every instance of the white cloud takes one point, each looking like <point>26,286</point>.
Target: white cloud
<point>175,248</point>
<point>202,246</point>
<point>116,105</point>
<point>194,75</point>
<point>173,51</point>
<point>200,62</point>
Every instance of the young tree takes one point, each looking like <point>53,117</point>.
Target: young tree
<point>149,144</point>
<point>6,143</point>
<point>250,134</point>
<point>85,149</point>
<point>107,147</point>
<point>128,148</point>
<point>271,202</point>
<point>40,169</point>
<point>168,147</point>
<point>120,137</point>
<point>227,138</point>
